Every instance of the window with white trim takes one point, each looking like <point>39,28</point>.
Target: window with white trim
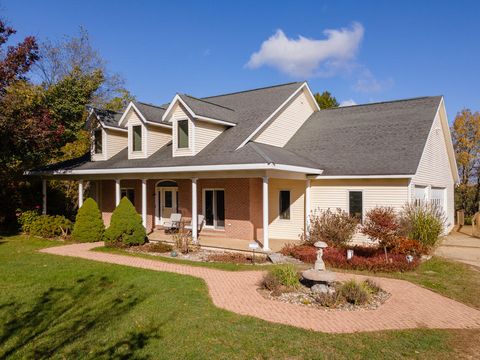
<point>137,138</point>
<point>284,204</point>
<point>98,141</point>
<point>419,195</point>
<point>182,134</point>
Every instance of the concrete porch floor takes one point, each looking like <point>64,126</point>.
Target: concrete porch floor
<point>214,240</point>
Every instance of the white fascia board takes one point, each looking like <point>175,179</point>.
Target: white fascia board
<point>192,113</point>
<point>158,124</point>
<point>206,168</point>
<point>311,95</point>
<point>448,138</point>
<point>176,99</point>
<point>330,177</point>
<point>130,104</point>
<point>113,128</point>
<point>215,121</point>
<point>265,122</point>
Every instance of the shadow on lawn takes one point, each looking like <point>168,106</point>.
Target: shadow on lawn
<point>72,320</point>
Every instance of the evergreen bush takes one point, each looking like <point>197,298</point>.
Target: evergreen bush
<point>126,226</point>
<point>89,225</point>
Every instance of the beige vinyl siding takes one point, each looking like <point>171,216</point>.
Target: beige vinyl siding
<point>333,194</point>
<point>133,119</point>
<point>286,124</point>
<point>205,133</point>
<point>157,138</point>
<point>116,141</point>
<point>287,229</point>
<point>434,169</point>
<point>179,113</point>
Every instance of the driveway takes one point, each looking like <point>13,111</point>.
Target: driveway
<point>461,246</point>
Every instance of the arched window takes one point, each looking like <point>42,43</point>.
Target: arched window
<point>167,183</point>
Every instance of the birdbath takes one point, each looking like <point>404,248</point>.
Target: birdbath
<point>318,273</point>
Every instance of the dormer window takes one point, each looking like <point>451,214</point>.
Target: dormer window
<point>182,133</point>
<point>137,138</point>
<point>98,141</point>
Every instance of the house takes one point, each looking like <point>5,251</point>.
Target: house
<point>256,163</point>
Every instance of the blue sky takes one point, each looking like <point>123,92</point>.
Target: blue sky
<point>375,51</point>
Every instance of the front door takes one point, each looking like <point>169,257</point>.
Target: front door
<point>167,202</point>
<point>214,208</point>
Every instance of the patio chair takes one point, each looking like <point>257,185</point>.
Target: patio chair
<point>173,223</point>
<point>200,221</point>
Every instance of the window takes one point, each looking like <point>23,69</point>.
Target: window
<point>137,137</point>
<point>355,204</point>
<point>168,199</point>
<point>284,205</point>
<point>129,194</point>
<point>182,134</point>
<point>420,195</point>
<point>98,144</point>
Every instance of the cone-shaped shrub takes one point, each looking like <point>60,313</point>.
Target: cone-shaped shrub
<point>89,225</point>
<point>125,226</point>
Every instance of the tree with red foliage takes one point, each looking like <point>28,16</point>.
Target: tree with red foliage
<point>28,132</point>
<point>381,224</point>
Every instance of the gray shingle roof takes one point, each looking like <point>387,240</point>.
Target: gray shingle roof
<point>208,109</point>
<point>373,139</point>
<point>151,112</point>
<point>108,117</point>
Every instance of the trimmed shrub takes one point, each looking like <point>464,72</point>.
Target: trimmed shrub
<point>370,259</point>
<point>407,246</point>
<point>26,219</point>
<point>49,226</point>
<point>334,228</point>
<point>305,253</point>
<point>354,293</point>
<point>423,223</point>
<point>89,225</point>
<point>125,226</point>
<point>381,224</point>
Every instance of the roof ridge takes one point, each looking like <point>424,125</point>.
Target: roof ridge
<point>152,105</point>
<point>383,102</point>
<point>256,89</point>
<point>207,102</point>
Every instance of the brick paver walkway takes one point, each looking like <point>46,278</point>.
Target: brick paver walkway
<point>410,306</point>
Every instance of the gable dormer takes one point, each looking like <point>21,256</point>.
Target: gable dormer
<point>107,139</point>
<point>146,131</point>
<point>196,123</point>
<point>285,121</point>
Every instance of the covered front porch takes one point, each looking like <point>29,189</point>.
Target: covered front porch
<point>239,208</point>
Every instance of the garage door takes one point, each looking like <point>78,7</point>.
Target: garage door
<point>437,197</point>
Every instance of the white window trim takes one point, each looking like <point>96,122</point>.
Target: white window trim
<point>103,155</point>
<point>289,206</point>
<point>363,201</point>
<point>143,152</point>
<point>190,150</point>
<point>212,227</point>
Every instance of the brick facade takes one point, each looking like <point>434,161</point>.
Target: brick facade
<point>243,202</point>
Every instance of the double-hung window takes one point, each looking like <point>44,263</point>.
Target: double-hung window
<point>98,141</point>
<point>129,194</point>
<point>284,204</point>
<point>137,138</point>
<point>182,134</point>
<point>355,204</point>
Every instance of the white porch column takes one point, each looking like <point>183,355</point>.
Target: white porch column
<point>307,206</point>
<point>144,203</point>
<point>265,214</point>
<point>117,192</point>
<point>194,211</point>
<point>44,197</point>
<point>80,193</point>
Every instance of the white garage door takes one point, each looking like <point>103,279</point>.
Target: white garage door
<point>438,197</point>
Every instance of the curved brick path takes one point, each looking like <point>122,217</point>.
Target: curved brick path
<point>410,306</point>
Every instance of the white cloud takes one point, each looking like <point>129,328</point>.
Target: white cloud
<point>304,57</point>
<point>348,102</point>
<point>368,83</point>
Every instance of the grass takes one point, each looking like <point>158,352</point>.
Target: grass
<point>452,279</point>
<point>60,307</point>
<point>212,265</point>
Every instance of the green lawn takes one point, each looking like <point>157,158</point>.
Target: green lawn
<point>60,307</point>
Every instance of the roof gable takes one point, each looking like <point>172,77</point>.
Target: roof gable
<point>148,114</point>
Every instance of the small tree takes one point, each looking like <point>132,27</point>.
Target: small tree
<point>125,226</point>
<point>381,224</point>
<point>334,228</point>
<point>89,225</point>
